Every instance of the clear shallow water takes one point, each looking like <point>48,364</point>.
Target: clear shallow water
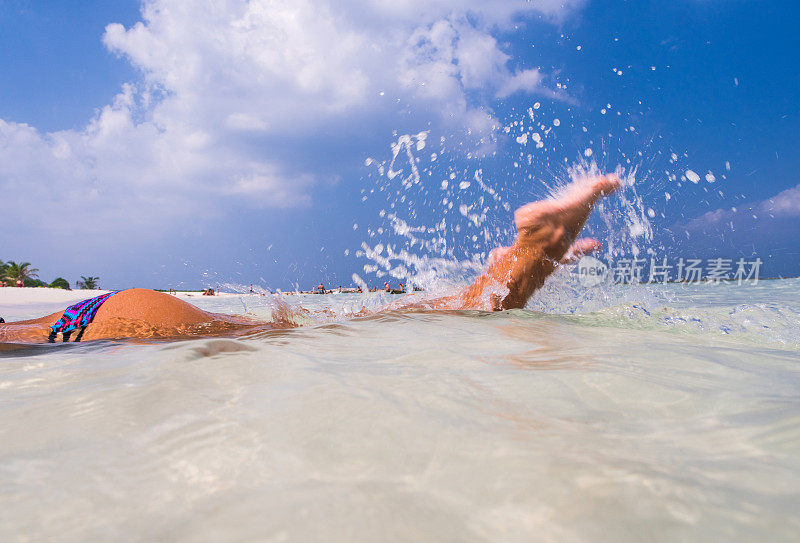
<point>665,413</point>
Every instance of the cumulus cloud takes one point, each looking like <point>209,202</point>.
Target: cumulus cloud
<point>225,83</point>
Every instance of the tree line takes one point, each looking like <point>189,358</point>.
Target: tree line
<point>14,274</point>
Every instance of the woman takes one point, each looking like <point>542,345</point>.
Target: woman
<point>546,235</point>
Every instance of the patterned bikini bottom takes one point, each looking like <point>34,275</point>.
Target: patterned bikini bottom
<point>77,316</point>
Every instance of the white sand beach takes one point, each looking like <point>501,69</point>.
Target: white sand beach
<point>19,303</point>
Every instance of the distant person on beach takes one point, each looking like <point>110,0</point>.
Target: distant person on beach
<point>20,283</point>
<point>547,235</point>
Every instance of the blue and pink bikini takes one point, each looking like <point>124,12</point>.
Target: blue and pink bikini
<point>77,316</point>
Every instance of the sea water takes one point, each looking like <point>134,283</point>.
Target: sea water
<point>670,414</point>
<point>608,413</point>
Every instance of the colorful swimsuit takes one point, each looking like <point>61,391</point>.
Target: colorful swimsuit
<point>77,316</point>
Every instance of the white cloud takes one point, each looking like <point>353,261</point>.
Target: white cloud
<point>526,80</point>
<point>223,80</point>
<point>784,205</point>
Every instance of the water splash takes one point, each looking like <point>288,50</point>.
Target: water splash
<point>442,209</point>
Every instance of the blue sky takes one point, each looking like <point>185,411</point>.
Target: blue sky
<point>175,146</point>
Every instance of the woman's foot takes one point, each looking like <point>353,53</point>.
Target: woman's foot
<point>547,235</point>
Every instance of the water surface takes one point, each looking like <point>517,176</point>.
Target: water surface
<point>670,414</point>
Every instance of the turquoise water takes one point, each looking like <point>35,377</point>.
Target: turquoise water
<point>657,413</point>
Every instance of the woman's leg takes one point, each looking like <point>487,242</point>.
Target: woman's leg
<point>546,234</point>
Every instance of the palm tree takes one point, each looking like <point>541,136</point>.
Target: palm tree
<point>20,271</point>
<point>3,268</point>
<point>88,282</point>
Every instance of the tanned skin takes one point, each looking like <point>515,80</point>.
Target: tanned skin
<point>547,234</point>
